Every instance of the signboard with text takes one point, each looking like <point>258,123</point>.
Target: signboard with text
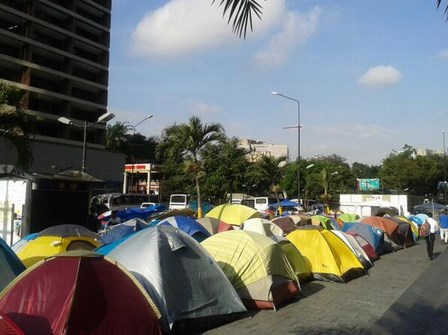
<point>368,184</point>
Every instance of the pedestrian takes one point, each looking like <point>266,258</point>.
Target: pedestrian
<point>92,221</point>
<point>434,227</point>
<point>443,222</point>
<point>114,219</point>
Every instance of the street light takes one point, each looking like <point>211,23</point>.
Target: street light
<point>298,139</point>
<point>131,180</point>
<point>103,118</point>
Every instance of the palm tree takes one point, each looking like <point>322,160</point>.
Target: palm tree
<point>15,125</point>
<point>116,135</point>
<point>240,13</point>
<point>187,141</point>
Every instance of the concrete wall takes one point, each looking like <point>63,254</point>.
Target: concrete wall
<point>368,204</point>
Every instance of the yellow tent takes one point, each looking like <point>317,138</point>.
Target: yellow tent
<point>328,257</point>
<point>53,241</point>
<point>298,262</point>
<point>234,214</point>
<point>256,266</point>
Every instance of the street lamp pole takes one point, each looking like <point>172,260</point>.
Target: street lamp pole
<point>103,118</point>
<point>131,179</point>
<point>84,148</point>
<point>444,167</point>
<point>298,139</point>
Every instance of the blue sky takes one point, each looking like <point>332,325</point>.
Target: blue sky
<point>371,76</point>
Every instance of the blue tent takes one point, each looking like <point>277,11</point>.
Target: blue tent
<point>187,225</point>
<point>10,265</point>
<point>371,234</point>
<point>122,230</point>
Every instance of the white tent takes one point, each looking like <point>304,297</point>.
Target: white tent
<point>181,277</point>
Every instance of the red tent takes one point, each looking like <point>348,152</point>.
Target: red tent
<point>385,224</point>
<point>396,238</point>
<point>86,294</point>
<point>365,245</point>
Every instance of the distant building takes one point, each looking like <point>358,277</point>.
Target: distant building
<point>424,152</point>
<point>258,149</point>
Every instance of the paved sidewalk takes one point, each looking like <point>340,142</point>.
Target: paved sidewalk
<point>357,307</point>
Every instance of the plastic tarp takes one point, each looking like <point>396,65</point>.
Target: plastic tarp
<point>174,268</point>
<point>284,203</point>
<point>329,258</point>
<point>73,295</point>
<point>429,207</point>
<point>131,213</point>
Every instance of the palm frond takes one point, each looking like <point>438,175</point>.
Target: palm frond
<point>15,125</point>
<point>240,14</point>
<point>438,3</point>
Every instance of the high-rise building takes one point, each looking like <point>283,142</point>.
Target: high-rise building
<point>58,52</point>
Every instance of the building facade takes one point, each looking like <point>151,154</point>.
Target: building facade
<point>58,53</point>
<point>258,149</point>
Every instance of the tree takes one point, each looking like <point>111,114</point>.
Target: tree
<point>399,170</point>
<point>185,143</point>
<point>15,125</point>
<point>267,174</point>
<point>240,14</point>
<point>225,165</point>
<point>116,136</point>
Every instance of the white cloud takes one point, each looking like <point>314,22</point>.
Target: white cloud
<point>184,27</point>
<point>380,76</point>
<point>201,108</point>
<point>443,55</point>
<point>296,29</point>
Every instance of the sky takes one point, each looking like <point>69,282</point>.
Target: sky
<point>365,77</point>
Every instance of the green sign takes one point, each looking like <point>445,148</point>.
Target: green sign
<point>368,184</point>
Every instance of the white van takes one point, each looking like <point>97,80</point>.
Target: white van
<point>179,201</point>
<point>262,203</point>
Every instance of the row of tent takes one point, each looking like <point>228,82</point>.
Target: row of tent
<point>179,275</point>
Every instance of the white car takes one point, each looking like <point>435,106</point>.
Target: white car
<point>147,204</point>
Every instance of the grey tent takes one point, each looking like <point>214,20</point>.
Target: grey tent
<point>188,286</point>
